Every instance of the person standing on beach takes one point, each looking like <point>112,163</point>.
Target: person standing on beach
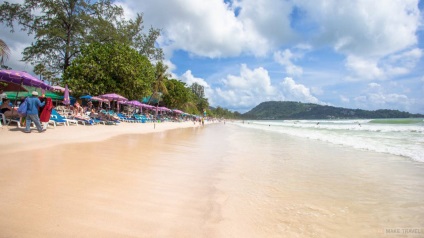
<point>33,103</point>
<point>46,112</point>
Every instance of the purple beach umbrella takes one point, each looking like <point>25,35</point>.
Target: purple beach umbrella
<point>23,78</point>
<point>66,99</point>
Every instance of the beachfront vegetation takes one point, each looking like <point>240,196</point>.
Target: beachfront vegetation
<point>89,46</point>
<point>110,68</point>
<point>62,28</point>
<point>274,110</point>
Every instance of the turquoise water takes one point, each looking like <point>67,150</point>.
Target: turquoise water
<point>418,121</point>
<point>403,137</point>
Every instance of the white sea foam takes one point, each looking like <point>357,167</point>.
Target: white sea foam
<point>398,139</point>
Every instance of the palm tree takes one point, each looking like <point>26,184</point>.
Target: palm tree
<point>4,51</point>
<point>159,85</point>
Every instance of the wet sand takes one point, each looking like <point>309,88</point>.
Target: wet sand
<point>213,181</point>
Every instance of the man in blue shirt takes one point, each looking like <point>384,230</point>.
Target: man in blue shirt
<point>33,104</point>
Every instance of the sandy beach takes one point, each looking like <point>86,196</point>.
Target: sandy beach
<point>19,141</point>
<point>219,180</point>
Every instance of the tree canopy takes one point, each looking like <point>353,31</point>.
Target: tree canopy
<point>90,46</point>
<point>110,68</point>
<point>62,28</point>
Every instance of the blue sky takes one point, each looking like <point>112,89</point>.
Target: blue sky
<point>344,53</point>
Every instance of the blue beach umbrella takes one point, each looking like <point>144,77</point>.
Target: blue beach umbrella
<point>85,97</point>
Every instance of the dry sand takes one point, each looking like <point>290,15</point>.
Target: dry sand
<point>14,139</point>
<point>60,184</point>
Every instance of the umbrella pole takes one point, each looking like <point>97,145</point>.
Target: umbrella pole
<point>17,94</point>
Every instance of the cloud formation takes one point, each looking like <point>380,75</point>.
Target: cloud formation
<point>250,87</point>
<point>292,47</point>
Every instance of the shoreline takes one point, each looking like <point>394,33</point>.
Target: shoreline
<point>15,140</point>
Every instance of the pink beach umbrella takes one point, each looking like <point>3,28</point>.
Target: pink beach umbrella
<point>101,100</point>
<point>178,111</point>
<point>114,97</point>
<point>59,89</point>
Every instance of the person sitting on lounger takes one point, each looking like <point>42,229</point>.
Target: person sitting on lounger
<point>7,109</point>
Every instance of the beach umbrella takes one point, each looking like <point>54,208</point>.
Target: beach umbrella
<point>8,86</point>
<point>101,100</point>
<point>94,98</point>
<point>12,95</point>
<point>58,88</point>
<point>164,109</point>
<point>22,78</point>
<point>134,103</point>
<point>113,97</point>
<point>85,97</point>
<point>66,99</point>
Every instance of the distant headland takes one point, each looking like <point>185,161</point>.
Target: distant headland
<point>280,110</point>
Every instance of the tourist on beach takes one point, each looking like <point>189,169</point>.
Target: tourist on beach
<point>33,104</point>
<point>2,95</point>
<point>6,108</point>
<point>78,111</point>
<point>42,100</point>
<point>22,119</point>
<point>46,112</point>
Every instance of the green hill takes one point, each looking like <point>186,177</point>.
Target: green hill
<point>274,110</point>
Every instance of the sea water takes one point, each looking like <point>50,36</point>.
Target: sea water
<point>403,137</point>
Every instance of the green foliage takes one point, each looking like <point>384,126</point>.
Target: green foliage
<point>62,28</point>
<point>297,110</point>
<point>220,112</point>
<point>198,89</point>
<point>110,68</point>
<point>177,95</point>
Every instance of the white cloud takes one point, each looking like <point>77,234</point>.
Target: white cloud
<point>403,62</point>
<point>380,100</point>
<point>297,92</point>
<point>246,90</point>
<point>374,85</point>
<point>364,68</point>
<point>212,29</point>
<point>285,59</point>
<point>388,67</point>
<point>365,28</point>
<point>252,86</point>
<point>189,79</point>
<point>344,99</point>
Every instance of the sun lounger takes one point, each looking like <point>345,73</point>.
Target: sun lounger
<point>59,118</point>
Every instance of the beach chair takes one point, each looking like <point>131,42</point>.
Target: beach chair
<point>3,119</point>
<point>55,116</point>
<point>58,121</point>
<point>85,121</point>
<point>124,118</point>
<point>98,121</point>
<point>141,118</point>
